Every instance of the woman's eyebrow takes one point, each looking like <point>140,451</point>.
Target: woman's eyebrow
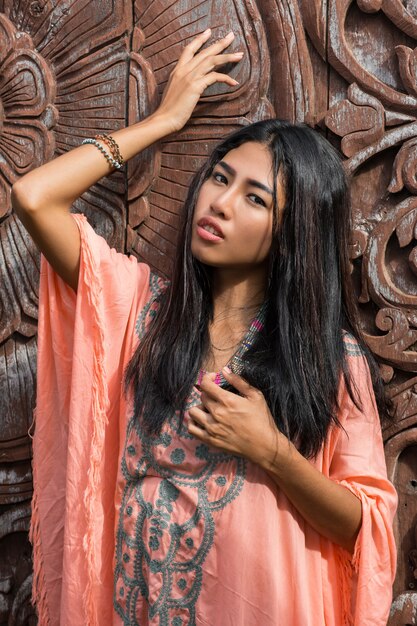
<point>250,181</point>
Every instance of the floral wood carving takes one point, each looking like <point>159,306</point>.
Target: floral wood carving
<point>370,49</point>
<point>27,91</point>
<point>63,71</point>
<point>27,114</point>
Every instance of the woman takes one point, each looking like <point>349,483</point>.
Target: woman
<point>239,477</point>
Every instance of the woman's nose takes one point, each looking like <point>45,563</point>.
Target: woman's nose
<point>222,204</point>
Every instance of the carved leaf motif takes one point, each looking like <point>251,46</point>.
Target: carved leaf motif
<point>342,58</point>
<point>19,274</point>
<point>401,15</point>
<point>64,32</point>
<point>359,120</point>
<point>314,13</point>
<point>380,282</point>
<point>143,169</point>
<point>394,346</point>
<point>407,61</point>
<point>405,398</point>
<point>370,6</point>
<point>163,44</point>
<point>292,86</point>
<point>405,229</point>
<point>405,168</point>
<point>26,84</point>
<point>26,112</point>
<point>91,100</point>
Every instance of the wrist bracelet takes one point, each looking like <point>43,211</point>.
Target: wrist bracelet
<point>112,145</point>
<point>104,152</point>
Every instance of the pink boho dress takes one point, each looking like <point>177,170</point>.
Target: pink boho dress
<point>133,530</point>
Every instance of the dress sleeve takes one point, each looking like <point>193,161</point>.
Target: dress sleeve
<point>85,340</point>
<point>358,463</point>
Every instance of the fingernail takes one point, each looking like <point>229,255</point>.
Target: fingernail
<point>227,370</point>
<point>231,34</point>
<point>207,31</point>
<point>236,82</point>
<point>239,54</point>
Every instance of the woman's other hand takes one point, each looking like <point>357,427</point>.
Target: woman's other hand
<point>194,72</point>
<point>243,425</point>
<point>238,424</point>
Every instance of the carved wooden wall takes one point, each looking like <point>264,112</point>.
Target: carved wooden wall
<point>72,68</point>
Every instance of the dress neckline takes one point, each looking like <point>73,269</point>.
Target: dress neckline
<point>235,363</point>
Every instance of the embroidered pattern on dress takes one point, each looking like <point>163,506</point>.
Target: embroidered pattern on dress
<point>174,487</point>
<point>157,286</point>
<point>351,345</point>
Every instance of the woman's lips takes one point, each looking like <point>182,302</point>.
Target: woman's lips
<point>205,234</point>
<point>209,230</point>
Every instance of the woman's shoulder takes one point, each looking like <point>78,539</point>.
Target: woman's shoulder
<point>357,391</point>
<point>358,366</point>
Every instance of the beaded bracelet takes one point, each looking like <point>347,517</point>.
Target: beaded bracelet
<point>112,145</point>
<point>104,152</point>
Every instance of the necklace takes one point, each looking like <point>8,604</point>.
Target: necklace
<point>225,349</point>
<point>236,363</point>
<point>234,311</point>
<point>229,315</point>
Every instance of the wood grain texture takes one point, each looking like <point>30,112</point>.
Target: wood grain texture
<point>370,51</point>
<point>63,77</point>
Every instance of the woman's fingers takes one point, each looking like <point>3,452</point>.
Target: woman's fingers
<point>204,419</point>
<point>194,72</point>
<point>198,414</point>
<point>238,382</point>
<point>212,62</point>
<point>214,49</point>
<point>216,77</point>
<point>192,60</point>
<point>192,48</point>
<point>197,431</point>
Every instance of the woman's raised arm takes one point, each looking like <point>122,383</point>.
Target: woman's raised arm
<point>42,198</point>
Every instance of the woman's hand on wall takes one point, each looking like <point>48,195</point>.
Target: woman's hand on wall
<point>194,72</point>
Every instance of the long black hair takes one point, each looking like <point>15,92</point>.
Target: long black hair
<point>299,357</point>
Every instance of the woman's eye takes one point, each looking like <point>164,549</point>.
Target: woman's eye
<point>256,199</point>
<point>220,178</point>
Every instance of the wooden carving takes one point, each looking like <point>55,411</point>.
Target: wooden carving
<point>73,68</point>
<point>372,93</point>
<point>62,78</point>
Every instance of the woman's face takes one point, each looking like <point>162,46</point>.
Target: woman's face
<point>232,223</point>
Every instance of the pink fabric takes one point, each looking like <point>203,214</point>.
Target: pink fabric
<point>262,563</point>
